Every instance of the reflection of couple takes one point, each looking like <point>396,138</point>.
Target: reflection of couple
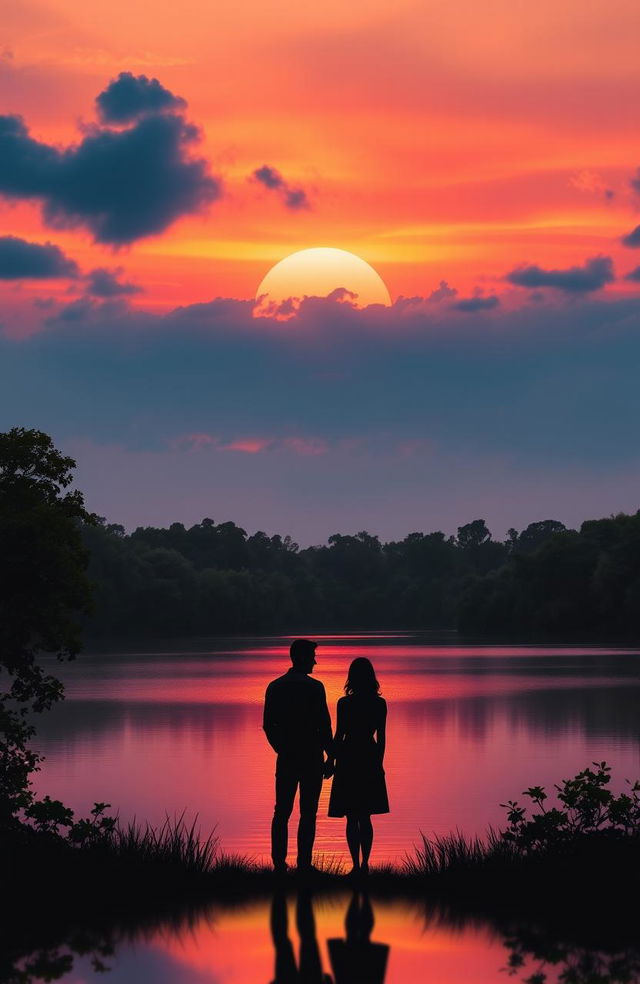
<point>354,959</point>
<point>298,727</point>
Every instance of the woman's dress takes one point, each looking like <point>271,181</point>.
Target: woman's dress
<point>359,785</point>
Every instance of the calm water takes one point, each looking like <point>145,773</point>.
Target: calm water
<point>179,728</point>
<point>337,940</point>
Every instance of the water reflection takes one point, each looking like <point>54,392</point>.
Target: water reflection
<point>321,939</point>
<point>308,970</point>
<point>535,958</point>
<point>356,958</point>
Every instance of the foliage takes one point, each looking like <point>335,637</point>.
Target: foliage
<point>536,957</point>
<point>43,589</point>
<point>214,578</point>
<point>588,818</point>
<point>587,808</point>
<point>47,816</point>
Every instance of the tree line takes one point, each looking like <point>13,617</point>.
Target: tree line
<point>215,578</point>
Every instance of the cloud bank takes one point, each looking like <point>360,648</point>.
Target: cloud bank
<point>421,415</point>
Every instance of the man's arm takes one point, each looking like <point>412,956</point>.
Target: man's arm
<point>326,736</point>
<point>270,723</point>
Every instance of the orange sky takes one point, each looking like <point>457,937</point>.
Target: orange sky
<point>435,140</point>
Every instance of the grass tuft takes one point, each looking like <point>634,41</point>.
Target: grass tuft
<point>174,844</point>
<point>455,854</point>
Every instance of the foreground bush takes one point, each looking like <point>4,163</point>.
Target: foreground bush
<point>591,825</point>
<point>588,809</point>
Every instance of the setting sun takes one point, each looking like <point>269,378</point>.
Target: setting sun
<point>318,273</point>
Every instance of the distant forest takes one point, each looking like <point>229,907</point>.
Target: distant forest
<point>215,578</point>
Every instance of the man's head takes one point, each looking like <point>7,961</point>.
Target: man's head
<point>303,655</point>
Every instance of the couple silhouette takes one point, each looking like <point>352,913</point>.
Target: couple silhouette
<point>298,727</point>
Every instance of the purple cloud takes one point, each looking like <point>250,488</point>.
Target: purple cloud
<point>21,260</point>
<point>339,416</point>
<point>632,240</point>
<point>131,97</point>
<point>293,198</point>
<point>477,303</point>
<point>595,273</point>
<point>121,185</point>
<point>105,284</point>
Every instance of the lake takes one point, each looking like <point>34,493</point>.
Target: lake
<point>339,939</point>
<point>173,727</point>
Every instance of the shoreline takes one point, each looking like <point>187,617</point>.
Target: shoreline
<point>53,890</point>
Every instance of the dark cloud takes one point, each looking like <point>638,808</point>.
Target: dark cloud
<point>104,283</point>
<point>478,303</point>
<point>131,97</point>
<point>79,310</point>
<point>296,198</point>
<point>534,381</point>
<point>293,198</point>
<point>121,185</point>
<point>442,292</point>
<point>269,177</point>
<point>595,273</point>
<point>633,275</point>
<point>20,259</point>
<point>632,241</point>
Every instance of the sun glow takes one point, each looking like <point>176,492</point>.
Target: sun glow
<point>320,272</point>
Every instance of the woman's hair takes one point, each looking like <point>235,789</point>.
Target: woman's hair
<point>361,678</point>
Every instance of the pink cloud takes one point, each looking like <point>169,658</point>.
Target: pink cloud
<point>200,441</point>
<point>248,445</point>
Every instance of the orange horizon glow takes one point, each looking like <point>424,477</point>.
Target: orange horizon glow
<point>510,141</point>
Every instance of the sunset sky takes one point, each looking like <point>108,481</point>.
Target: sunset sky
<point>156,162</point>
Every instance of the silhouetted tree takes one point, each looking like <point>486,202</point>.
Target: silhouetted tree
<point>215,578</point>
<point>43,589</point>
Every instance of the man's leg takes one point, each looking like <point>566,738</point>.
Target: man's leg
<point>286,970</point>
<point>286,785</point>
<point>310,786</point>
<point>310,960</point>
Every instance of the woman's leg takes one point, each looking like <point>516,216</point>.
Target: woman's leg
<point>353,840</point>
<point>366,838</point>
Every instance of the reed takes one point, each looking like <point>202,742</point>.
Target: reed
<point>454,854</point>
<point>175,844</point>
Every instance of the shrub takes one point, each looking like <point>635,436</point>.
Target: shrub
<point>588,809</point>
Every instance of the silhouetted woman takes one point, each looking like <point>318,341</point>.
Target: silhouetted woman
<point>359,787</point>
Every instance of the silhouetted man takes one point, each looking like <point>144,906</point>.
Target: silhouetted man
<point>298,727</point>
